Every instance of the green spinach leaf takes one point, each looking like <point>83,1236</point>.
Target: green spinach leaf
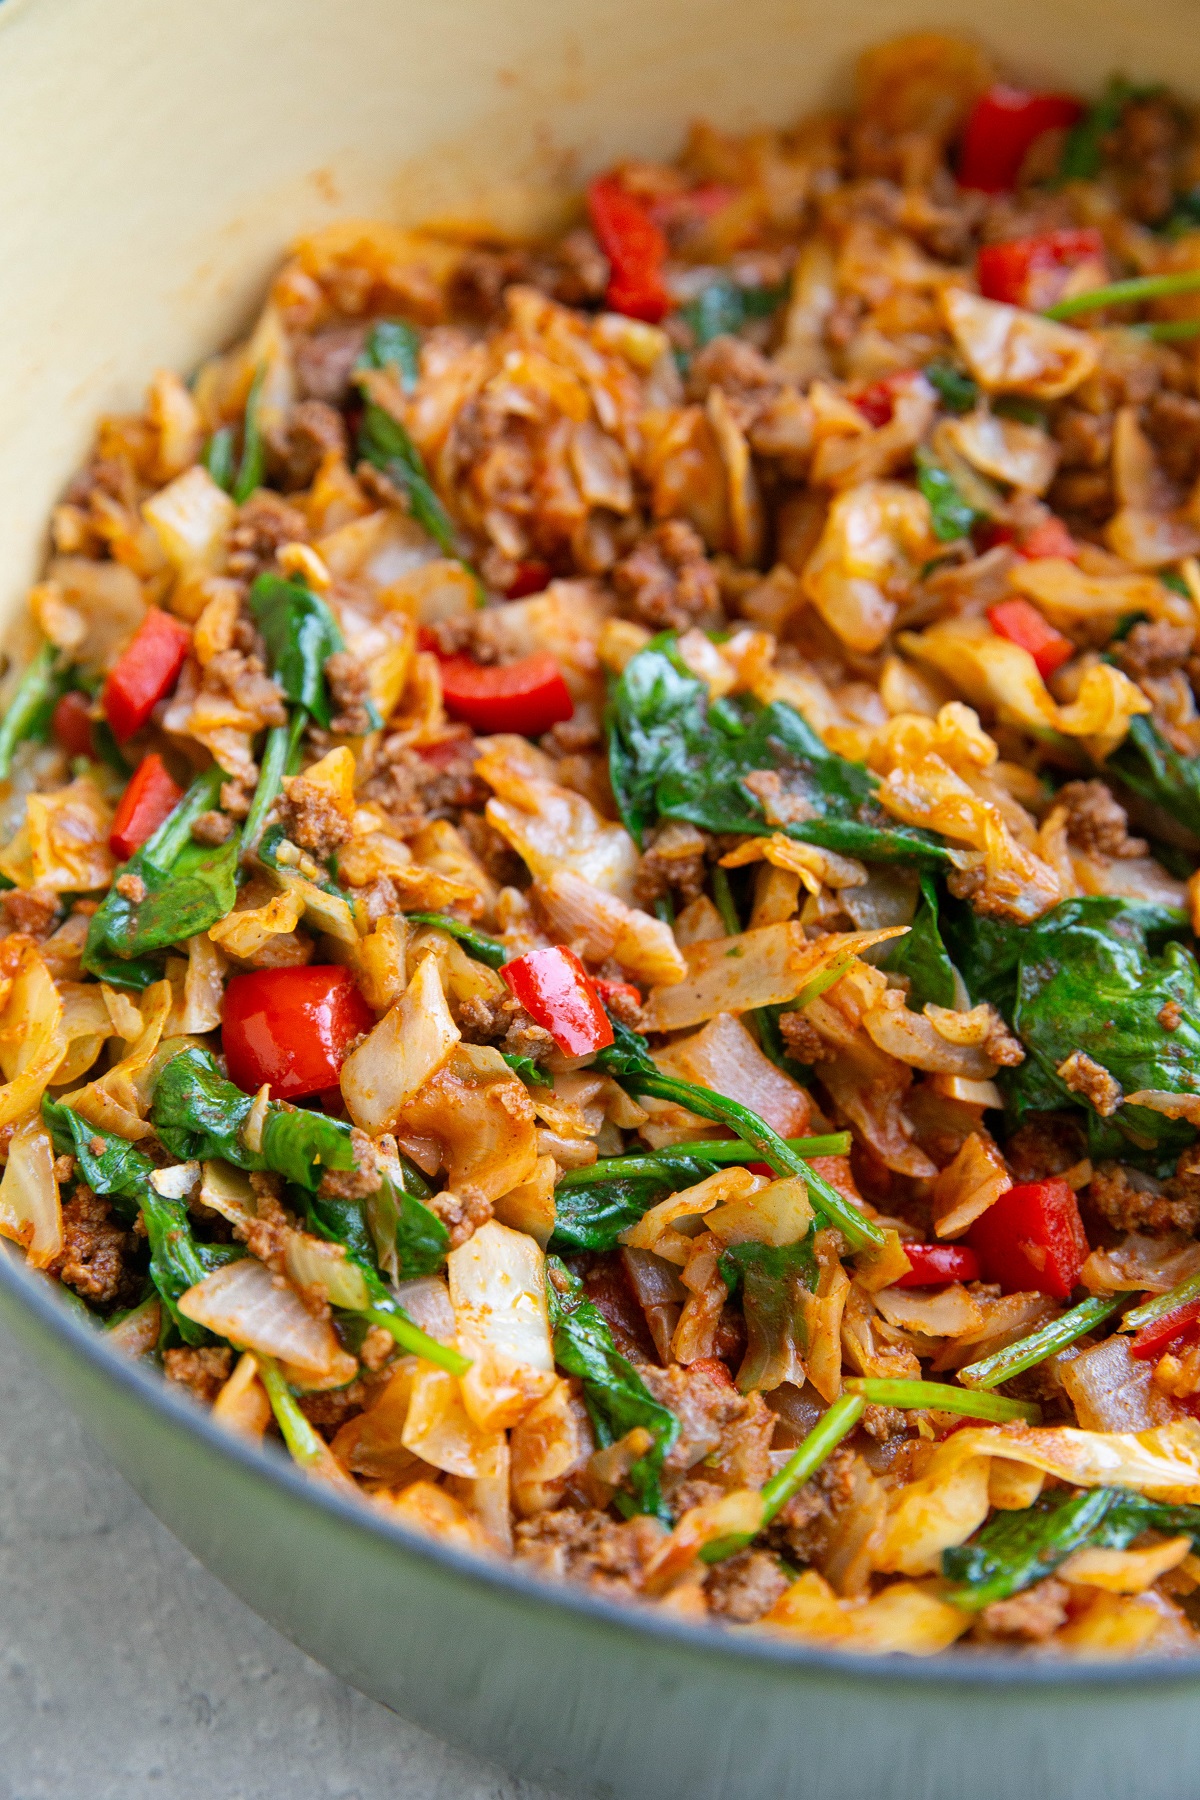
<point>187,888</point>
<point>301,634</point>
<point>386,445</point>
<point>951,513</point>
<point>772,1280</point>
<point>957,390</point>
<point>393,344</point>
<point>724,306</point>
<point>590,1214</point>
<point>673,756</point>
<point>484,949</point>
<point>1155,771</point>
<point>1088,980</point>
<point>616,1396</point>
<point>252,469</point>
<point>29,709</point>
<point>923,957</point>
<point>1083,152</point>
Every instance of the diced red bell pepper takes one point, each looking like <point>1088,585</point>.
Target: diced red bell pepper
<point>1003,125</point>
<point>1022,624</point>
<point>635,247</point>
<point>292,1028</point>
<point>145,673</point>
<point>877,403</point>
<point>714,1368</point>
<point>933,1265</point>
<point>1153,1339</point>
<point>71,723</point>
<point>559,995</point>
<point>1050,538</point>
<point>149,797</point>
<point>1032,271</point>
<point>527,696</point>
<point>1032,1239</point>
<point>530,578</point>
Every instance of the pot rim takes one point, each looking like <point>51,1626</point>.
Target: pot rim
<point>272,1466</point>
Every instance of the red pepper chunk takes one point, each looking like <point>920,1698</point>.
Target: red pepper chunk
<point>530,578</point>
<point>558,994</point>
<point>1023,625</point>
<point>145,673</point>
<point>1003,125</point>
<point>933,1265</point>
<point>1031,1240</point>
<point>291,1028</point>
<point>71,723</point>
<point>1033,271</point>
<point>527,696</point>
<point>148,799</point>
<point>635,247</point>
<point>1153,1339</point>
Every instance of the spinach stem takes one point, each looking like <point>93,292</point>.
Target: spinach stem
<point>937,1396</point>
<point>410,1337</point>
<point>723,897</point>
<point>33,690</point>
<point>1150,1310</point>
<point>990,1371</point>
<point>717,1150</point>
<point>834,1425</point>
<point>1127,293</point>
<point>282,744</point>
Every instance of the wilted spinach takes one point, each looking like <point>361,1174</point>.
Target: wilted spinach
<point>593,1206</point>
<point>772,1279</point>
<point>615,1395</point>
<point>672,755</point>
<point>301,634</point>
<point>923,957</point>
<point>187,887</point>
<point>951,513</point>
<point>724,306</point>
<point>1154,770</point>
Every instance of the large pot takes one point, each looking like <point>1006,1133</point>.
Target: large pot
<point>157,156</point>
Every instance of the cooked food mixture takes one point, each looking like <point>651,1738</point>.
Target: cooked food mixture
<point>600,866</point>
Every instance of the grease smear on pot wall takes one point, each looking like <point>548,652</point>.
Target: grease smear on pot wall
<point>600,845</point>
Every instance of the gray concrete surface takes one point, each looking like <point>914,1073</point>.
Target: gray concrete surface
<point>128,1673</point>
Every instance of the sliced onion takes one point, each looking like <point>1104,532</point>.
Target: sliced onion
<point>30,1211</point>
<point>498,1290</point>
<point>245,1303</point>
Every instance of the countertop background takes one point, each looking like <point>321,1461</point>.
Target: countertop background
<point>128,1673</point>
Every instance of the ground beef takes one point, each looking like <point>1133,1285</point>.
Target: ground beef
<point>883,1421</point>
<point>31,911</point>
<point>330,1411</point>
<point>606,1555</point>
<point>412,787</point>
<point>496,854</point>
<point>1091,1081</point>
<point>1144,147</point>
<point>131,887</point>
<point>576,272</point>
<point>267,1235</point>
<point>1032,1616</point>
<point>1152,648</point>
<point>1173,424</point>
<point>1045,1145</point>
<point>212,828</point>
<point>744,1587</point>
<point>364,1178</point>
<point>666,581</point>
<point>1130,1201</point>
<point>312,430</point>
<point>282,950</point>
<point>264,525</point>
<point>1096,821</point>
<point>705,1409</point>
<point>1085,438</point>
<point>97,1252</point>
<point>245,680</point>
<point>674,863</point>
<point>743,374</point>
<point>350,690</point>
<point>461,1216</point>
<point>324,363</point>
<point>203,1372</point>
<point>1170,1015</point>
<point>802,1040</point>
<point>802,1525</point>
<point>311,819</point>
<point>236,798</point>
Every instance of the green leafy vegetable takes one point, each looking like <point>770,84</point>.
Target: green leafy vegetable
<point>616,1397</point>
<point>343,1221</point>
<point>1133,292</point>
<point>628,1060</point>
<point>122,1172</point>
<point>252,469</point>
<point>188,887</point>
<point>198,1114</point>
<point>220,457</point>
<point>393,344</point>
<point>923,957</point>
<point>305,1444</point>
<point>985,951</point>
<point>1156,771</point>
<point>724,306</point>
<point>1087,980</point>
<point>772,1280</point>
<point>384,443</point>
<point>673,756</point>
<point>590,1215</point>
<point>940,1396</point>
<point>301,634</point>
<point>476,943</point>
<point>1083,152</point>
<point>29,707</point>
<point>1026,1353</point>
<point>280,757</point>
<point>529,1071</point>
<point>957,390</point>
<point>1015,1549</point>
<point>835,1424</point>
<point>951,513</point>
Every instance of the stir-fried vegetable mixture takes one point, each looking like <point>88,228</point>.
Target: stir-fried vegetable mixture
<point>600,859</point>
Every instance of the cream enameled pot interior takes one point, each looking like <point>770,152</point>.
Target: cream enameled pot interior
<point>158,155</point>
